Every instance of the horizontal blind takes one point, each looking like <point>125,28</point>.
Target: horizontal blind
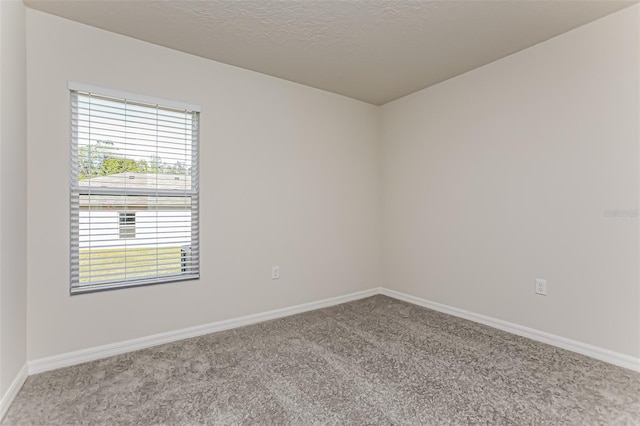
<point>134,193</point>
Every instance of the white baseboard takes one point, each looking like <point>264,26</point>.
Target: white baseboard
<point>13,390</point>
<point>91,354</point>
<point>601,354</point>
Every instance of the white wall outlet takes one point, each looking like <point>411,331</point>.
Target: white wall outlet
<point>275,272</point>
<point>541,287</point>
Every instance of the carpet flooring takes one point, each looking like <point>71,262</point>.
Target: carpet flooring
<point>372,361</point>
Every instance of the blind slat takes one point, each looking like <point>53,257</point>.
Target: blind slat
<point>130,226</point>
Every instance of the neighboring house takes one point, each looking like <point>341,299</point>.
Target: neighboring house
<point>135,220</point>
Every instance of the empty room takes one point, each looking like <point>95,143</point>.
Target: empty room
<point>319,212</point>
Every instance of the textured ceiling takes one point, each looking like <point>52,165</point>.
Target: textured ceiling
<point>372,50</point>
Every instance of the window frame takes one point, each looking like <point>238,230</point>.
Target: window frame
<point>126,225</point>
<point>77,191</point>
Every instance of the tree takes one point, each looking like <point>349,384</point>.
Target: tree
<point>91,157</point>
<point>102,159</point>
<point>179,168</point>
<point>175,169</point>
<point>156,165</point>
<point>113,165</point>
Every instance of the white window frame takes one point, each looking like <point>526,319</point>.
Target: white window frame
<point>192,271</point>
<point>126,225</point>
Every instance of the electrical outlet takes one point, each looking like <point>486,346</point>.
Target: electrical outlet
<point>275,272</point>
<point>541,287</point>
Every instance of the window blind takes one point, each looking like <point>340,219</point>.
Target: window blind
<point>134,192</point>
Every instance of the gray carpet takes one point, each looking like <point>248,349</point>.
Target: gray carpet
<point>373,361</point>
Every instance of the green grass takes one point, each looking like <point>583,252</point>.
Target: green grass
<point>116,264</point>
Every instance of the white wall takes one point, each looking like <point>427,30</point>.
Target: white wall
<point>288,178</point>
<point>489,180</point>
<point>13,188</point>
<point>503,175</point>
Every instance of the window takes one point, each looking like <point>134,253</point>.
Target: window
<point>134,190</point>
<point>127,225</point>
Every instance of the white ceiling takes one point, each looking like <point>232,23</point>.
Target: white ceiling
<point>372,50</point>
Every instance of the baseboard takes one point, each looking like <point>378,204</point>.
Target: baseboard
<point>92,354</point>
<point>13,390</point>
<point>615,358</point>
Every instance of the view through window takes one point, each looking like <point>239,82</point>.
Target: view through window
<point>134,191</point>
